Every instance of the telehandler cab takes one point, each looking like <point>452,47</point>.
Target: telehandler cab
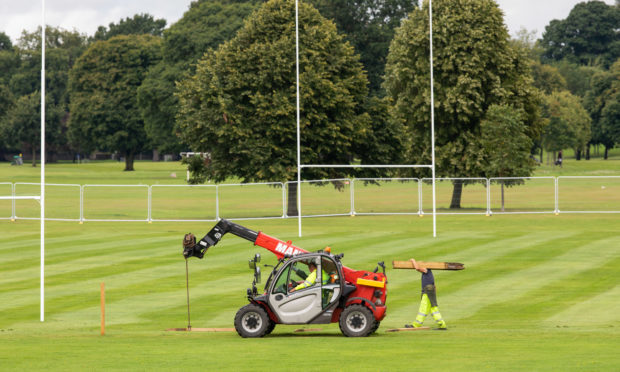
<point>294,295</point>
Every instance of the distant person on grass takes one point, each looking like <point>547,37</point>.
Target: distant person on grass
<point>429,300</point>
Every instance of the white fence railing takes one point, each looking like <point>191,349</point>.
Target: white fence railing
<point>333,197</point>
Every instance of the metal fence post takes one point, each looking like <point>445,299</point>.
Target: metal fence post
<point>13,217</point>
<point>420,212</point>
<point>488,197</point>
<point>557,195</point>
<point>352,183</point>
<point>150,199</point>
<point>283,200</point>
<point>217,202</point>
<point>81,204</point>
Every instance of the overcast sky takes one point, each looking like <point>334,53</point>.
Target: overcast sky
<point>86,15</point>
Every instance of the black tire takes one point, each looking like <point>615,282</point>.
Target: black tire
<point>271,326</point>
<point>252,321</point>
<point>357,321</point>
<point>374,329</point>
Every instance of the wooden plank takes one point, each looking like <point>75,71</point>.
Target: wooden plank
<point>202,329</point>
<point>408,329</point>
<point>429,265</point>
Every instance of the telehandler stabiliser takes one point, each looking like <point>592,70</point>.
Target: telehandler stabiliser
<point>353,298</point>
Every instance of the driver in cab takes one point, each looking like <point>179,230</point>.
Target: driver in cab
<point>310,279</point>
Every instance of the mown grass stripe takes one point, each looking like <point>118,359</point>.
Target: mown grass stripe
<point>96,266</point>
<point>86,257</point>
<point>467,301</point>
<point>592,310</point>
<point>558,296</point>
<point>406,284</point>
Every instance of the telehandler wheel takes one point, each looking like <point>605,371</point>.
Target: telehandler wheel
<point>357,321</point>
<point>252,321</point>
<point>374,329</point>
<point>271,326</point>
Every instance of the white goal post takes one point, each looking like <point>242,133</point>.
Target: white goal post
<point>301,166</point>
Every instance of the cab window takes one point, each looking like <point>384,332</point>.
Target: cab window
<point>330,281</point>
<point>280,286</point>
<point>330,271</point>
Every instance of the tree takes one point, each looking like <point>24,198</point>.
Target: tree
<point>23,122</point>
<point>506,146</point>
<point>547,78</point>
<point>587,36</point>
<point>383,141</point>
<point>9,62</point>
<point>205,25</point>
<point>578,78</point>
<point>240,104</point>
<point>526,40</point>
<point>568,123</point>
<point>140,24</point>
<point>369,25</point>
<point>9,59</point>
<point>62,49</point>
<point>601,103</point>
<point>474,67</point>
<point>103,85</point>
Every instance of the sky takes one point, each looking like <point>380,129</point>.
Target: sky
<point>86,15</point>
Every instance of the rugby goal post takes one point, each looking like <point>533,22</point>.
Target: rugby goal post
<point>300,166</point>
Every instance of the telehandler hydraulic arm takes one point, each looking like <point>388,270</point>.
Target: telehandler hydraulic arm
<point>276,246</point>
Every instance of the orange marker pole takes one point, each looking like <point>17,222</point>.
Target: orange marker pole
<point>102,308</point>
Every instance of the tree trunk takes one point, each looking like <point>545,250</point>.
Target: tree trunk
<point>155,155</point>
<point>34,156</point>
<point>588,152</point>
<point>578,155</point>
<point>457,191</point>
<point>541,156</point>
<point>291,210</point>
<point>502,195</point>
<point>606,152</point>
<point>129,161</point>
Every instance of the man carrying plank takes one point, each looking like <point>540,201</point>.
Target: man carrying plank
<point>429,300</point>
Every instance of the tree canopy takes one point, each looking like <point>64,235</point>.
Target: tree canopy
<point>205,25</point>
<point>240,104</point>
<point>568,123</point>
<point>588,36</point>
<point>506,146</point>
<point>23,122</point>
<point>103,85</point>
<point>139,24</point>
<point>602,104</point>
<point>62,49</point>
<point>369,25</point>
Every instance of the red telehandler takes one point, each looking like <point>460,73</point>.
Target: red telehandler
<point>333,293</point>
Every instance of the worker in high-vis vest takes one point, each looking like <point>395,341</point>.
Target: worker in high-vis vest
<point>428,304</point>
<point>311,278</point>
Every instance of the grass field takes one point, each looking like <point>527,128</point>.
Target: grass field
<point>540,292</point>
